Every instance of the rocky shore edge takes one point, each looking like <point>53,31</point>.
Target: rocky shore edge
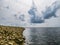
<point>10,35</point>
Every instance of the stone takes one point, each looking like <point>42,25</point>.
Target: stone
<point>10,35</point>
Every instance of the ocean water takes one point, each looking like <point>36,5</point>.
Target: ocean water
<point>42,36</point>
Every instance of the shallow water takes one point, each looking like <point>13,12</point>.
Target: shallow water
<point>42,36</point>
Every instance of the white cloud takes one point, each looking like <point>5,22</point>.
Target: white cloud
<point>8,8</point>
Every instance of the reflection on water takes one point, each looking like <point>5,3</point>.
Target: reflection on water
<point>42,36</point>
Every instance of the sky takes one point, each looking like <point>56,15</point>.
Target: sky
<point>11,10</point>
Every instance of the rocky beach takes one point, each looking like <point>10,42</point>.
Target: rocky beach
<point>10,35</point>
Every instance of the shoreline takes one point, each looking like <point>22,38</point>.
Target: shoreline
<point>11,35</point>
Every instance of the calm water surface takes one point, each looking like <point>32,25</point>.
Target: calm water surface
<point>42,36</point>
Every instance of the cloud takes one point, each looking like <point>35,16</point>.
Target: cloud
<point>11,12</point>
